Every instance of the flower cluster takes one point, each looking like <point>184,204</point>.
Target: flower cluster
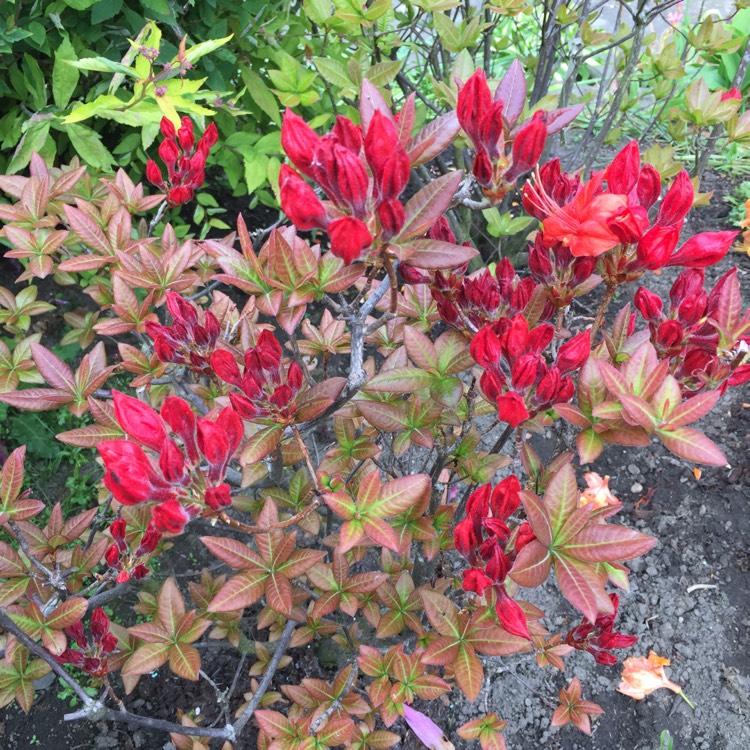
<point>490,545</point>
<point>186,475</point>
<point>186,341</point>
<point>516,376</point>
<point>502,153</point>
<point>129,564</point>
<point>362,174</point>
<point>600,639</point>
<point>268,390</point>
<point>707,347</point>
<point>184,158</point>
<point>91,655</point>
<point>591,219</point>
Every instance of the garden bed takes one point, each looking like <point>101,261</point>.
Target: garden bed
<point>689,601</point>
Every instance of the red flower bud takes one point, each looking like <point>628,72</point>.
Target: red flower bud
<point>349,238</point>
<point>139,420</point>
<point>169,153</point>
<point>299,202</point>
<point>394,175</point>
<point>692,309</point>
<point>498,564</point>
<point>225,366</point>
<point>511,615</point>
<point>149,541</point>
<point>153,174</point>
<point>185,134</point>
<point>299,142</point>
<point>441,230</point>
<point>117,530</point>
<point>491,132</point>
<point>733,93</point>
<point>282,396</point>
<point>294,377</point>
<point>677,202</point>
<point>523,373</point>
<point>549,386</point>
<point>511,409</point>
<point>268,350</point>
<point>474,99</point>
<point>129,475</point>
<point>179,416</point>
<point>218,497</point>
<point>505,498</point>
<point>669,334</point>
<point>172,462</point>
<point>348,178</point>
<point>688,283</point>
<point>486,348</point>
<point>465,537</point>
<point>622,174</point>
<point>703,250</point>
<point>492,384</point>
<point>167,128</point>
<point>527,147</point>
<point>524,535</point>
<point>648,304</point>
<point>656,246</point>
<point>170,517</point>
<point>231,425</point>
<point>574,353</point>
<point>180,195</point>
<point>112,556</point>
<point>140,571</point>
<point>540,264</point>
<point>181,310</point>
<point>348,134</point>
<point>99,624</point>
<point>648,188</point>
<point>209,138</point>
<point>391,216</point>
<point>482,167</point>
<point>214,447</point>
<point>412,275</point>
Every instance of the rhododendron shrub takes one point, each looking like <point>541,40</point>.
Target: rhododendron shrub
<point>346,411</point>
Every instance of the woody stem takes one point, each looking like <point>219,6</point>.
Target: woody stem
<point>248,529</point>
<point>391,271</point>
<point>608,296</point>
<point>306,454</point>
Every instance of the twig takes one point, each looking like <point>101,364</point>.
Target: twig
<point>42,653</point>
<point>281,646</point>
<point>157,218</point>
<point>323,718</point>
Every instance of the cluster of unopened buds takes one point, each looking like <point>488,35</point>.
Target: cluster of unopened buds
<point>91,654</point>
<point>486,540</point>
<point>600,639</point>
<point>361,173</point>
<point>187,341</point>
<point>591,219</point>
<point>704,356</point>
<point>482,298</point>
<point>516,376</point>
<point>502,152</point>
<point>129,563</point>
<point>185,477</point>
<point>184,159</point>
<point>267,389</point>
